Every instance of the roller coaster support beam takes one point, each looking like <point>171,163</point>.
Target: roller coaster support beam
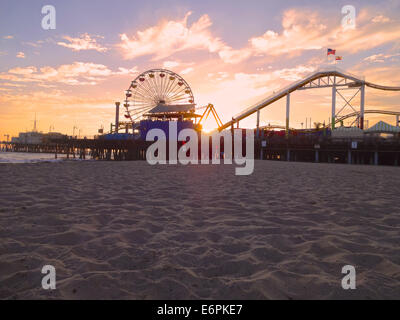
<point>362,107</point>
<point>287,113</point>
<point>258,123</point>
<point>320,79</point>
<point>333,104</point>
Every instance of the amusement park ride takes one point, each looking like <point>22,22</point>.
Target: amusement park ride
<point>336,79</point>
<point>160,95</point>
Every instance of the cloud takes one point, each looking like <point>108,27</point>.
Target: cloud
<point>33,44</point>
<point>380,19</point>
<point>219,76</point>
<point>186,71</point>
<point>6,84</point>
<point>39,43</point>
<point>302,30</point>
<point>294,74</point>
<point>229,55</point>
<point>380,57</point>
<point>8,37</point>
<point>20,55</point>
<point>77,73</point>
<point>305,30</point>
<point>171,64</point>
<point>124,71</point>
<point>84,42</point>
<point>169,37</point>
<point>23,71</point>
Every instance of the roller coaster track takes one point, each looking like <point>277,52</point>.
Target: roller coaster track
<point>318,79</point>
<point>271,127</point>
<point>356,114</point>
<point>379,87</point>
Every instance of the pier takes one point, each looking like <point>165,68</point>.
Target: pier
<point>372,151</point>
<point>368,151</point>
<point>97,149</point>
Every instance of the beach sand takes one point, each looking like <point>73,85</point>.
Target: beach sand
<point>127,230</point>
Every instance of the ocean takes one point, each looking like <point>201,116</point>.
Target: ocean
<point>25,157</point>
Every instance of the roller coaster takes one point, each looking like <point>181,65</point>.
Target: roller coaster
<point>357,114</point>
<point>337,80</point>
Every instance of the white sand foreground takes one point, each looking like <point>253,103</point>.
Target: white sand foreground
<point>127,230</point>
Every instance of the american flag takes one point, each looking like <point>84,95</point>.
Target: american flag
<point>331,51</point>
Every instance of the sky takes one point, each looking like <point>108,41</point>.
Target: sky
<point>232,54</point>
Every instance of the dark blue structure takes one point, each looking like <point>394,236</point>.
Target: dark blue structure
<point>117,136</point>
<point>147,125</point>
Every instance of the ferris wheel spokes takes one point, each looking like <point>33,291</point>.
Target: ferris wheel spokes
<point>156,87</point>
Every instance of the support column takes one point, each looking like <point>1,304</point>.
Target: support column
<point>333,104</point>
<point>117,116</point>
<point>287,113</point>
<point>362,107</point>
<point>376,158</point>
<point>258,124</point>
<point>397,121</point>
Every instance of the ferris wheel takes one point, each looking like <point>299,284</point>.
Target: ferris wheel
<point>157,89</point>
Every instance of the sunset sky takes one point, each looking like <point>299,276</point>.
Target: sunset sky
<point>232,53</point>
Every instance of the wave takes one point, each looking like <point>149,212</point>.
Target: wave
<point>25,157</point>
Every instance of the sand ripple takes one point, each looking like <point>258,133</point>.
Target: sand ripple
<point>131,231</point>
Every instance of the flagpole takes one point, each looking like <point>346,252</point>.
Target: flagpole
<point>326,61</point>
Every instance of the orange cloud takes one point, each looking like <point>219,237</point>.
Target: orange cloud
<point>301,30</point>
<point>380,19</point>
<point>84,42</point>
<point>171,64</point>
<point>169,37</point>
<point>294,74</point>
<point>77,73</point>
<point>21,55</point>
<point>305,30</point>
<point>186,71</point>
<point>380,57</point>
